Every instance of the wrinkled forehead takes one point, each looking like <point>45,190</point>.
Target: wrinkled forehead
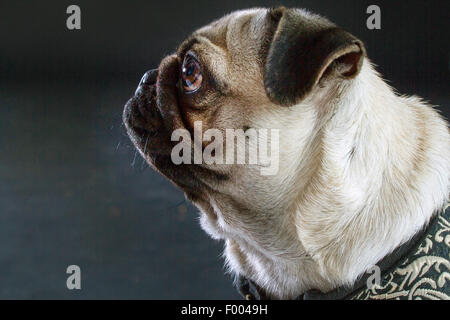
<point>239,32</point>
<point>237,28</point>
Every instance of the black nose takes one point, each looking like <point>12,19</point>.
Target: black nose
<point>149,78</point>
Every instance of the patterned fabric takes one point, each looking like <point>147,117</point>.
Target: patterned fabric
<point>421,271</point>
<point>424,275</point>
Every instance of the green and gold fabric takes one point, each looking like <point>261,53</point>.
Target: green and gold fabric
<point>424,274</point>
<point>417,270</point>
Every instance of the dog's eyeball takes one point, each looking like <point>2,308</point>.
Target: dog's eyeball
<point>191,74</point>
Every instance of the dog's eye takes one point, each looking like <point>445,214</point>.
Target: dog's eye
<point>191,74</point>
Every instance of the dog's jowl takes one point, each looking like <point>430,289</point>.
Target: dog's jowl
<point>363,174</point>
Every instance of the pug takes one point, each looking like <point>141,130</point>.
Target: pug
<point>361,169</point>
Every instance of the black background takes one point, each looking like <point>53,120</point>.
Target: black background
<point>73,191</point>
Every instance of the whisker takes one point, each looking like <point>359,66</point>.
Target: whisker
<point>134,159</point>
<point>145,149</point>
<point>176,205</point>
<point>146,142</point>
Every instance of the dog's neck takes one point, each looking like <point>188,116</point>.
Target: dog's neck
<point>379,173</point>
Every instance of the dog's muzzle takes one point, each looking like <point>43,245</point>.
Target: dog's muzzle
<point>141,116</point>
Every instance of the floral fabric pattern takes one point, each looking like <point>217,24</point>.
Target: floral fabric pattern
<point>424,275</point>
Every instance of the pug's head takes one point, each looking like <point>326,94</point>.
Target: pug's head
<point>252,69</point>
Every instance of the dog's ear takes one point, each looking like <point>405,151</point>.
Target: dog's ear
<point>303,49</point>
